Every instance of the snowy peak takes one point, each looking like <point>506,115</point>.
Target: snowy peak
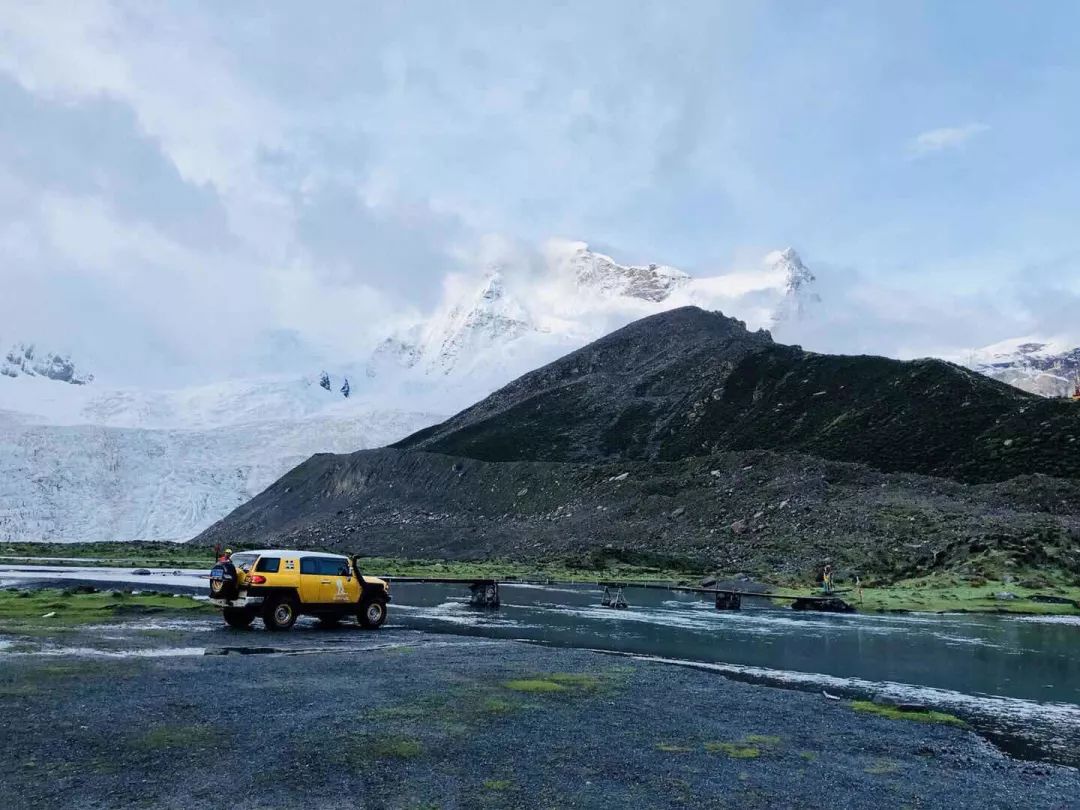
<point>601,274</point>
<point>1048,367</point>
<point>799,295</point>
<point>490,317</point>
<point>23,359</point>
<point>471,322</point>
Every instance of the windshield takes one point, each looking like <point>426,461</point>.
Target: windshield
<point>243,561</point>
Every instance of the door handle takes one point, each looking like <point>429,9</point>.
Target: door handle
<point>326,582</point>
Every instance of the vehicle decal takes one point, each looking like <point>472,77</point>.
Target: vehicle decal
<point>341,595</point>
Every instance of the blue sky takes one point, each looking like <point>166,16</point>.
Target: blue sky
<point>192,173</point>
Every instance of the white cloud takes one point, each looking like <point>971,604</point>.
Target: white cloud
<point>938,140</point>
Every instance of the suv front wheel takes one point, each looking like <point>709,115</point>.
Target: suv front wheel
<point>372,614</point>
<point>279,612</point>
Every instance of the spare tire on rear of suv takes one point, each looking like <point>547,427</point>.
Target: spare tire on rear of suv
<point>223,581</point>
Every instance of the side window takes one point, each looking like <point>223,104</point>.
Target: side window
<point>310,565</point>
<point>268,564</point>
<point>333,568</point>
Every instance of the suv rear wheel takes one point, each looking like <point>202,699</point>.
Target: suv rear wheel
<point>372,614</point>
<point>238,617</point>
<point>279,612</point>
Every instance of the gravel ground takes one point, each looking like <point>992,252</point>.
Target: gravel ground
<point>403,719</point>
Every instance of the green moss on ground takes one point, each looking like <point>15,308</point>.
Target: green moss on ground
<point>28,609</point>
<point>172,737</point>
<point>895,713</point>
<point>555,682</point>
<point>882,767</point>
<point>735,750</point>
<point>137,554</point>
<point>944,592</point>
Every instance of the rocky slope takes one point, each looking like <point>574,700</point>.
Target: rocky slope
<point>686,436</point>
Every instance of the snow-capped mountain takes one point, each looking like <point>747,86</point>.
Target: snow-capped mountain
<point>99,462</point>
<point>496,326</point>
<point>465,327</point>
<point>799,295</point>
<point>23,359</point>
<point>601,275</point>
<point>1049,367</point>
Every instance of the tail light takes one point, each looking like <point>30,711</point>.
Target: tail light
<point>258,579</point>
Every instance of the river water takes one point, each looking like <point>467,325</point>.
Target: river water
<point>1017,679</point>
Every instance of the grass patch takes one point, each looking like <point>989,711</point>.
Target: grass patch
<point>196,736</point>
<point>735,750</point>
<point>397,748</point>
<point>894,713</point>
<point>555,682</point>
<point>498,784</point>
<point>882,767</point>
<point>764,740</point>
<point>809,756</point>
<point>749,747</point>
<point>944,592</point>
<point>497,706</point>
<point>31,607</point>
<point>10,690</point>
<point>534,685</point>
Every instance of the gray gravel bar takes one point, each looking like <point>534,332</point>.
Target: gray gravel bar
<point>404,719</point>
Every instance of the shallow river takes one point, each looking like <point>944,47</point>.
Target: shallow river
<point>1015,678</point>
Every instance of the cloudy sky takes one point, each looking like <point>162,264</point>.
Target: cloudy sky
<point>184,185</point>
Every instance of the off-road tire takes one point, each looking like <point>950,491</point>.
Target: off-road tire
<point>226,587</point>
<point>280,612</point>
<point>240,618</point>
<point>372,614</point>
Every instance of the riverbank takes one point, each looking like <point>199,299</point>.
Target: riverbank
<point>1049,591</point>
<point>404,719</point>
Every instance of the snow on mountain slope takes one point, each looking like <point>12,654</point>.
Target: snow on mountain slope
<point>492,328</point>
<point>1046,366</point>
<point>91,482</point>
<point>24,359</point>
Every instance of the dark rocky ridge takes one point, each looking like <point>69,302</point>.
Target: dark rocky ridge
<point>683,436</point>
<point>689,382</point>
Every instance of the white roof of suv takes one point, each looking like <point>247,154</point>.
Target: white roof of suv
<point>279,552</point>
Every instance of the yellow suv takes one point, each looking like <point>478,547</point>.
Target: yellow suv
<point>280,586</point>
